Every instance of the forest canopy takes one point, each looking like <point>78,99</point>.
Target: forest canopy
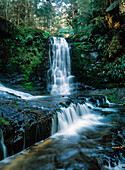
<point>53,15</point>
<point>93,26</point>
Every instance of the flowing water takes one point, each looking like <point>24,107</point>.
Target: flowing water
<point>6,91</point>
<point>3,147</point>
<point>84,135</point>
<point>71,118</point>
<point>60,78</point>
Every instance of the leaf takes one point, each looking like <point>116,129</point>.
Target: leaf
<point>113,5</point>
<point>3,121</point>
<point>83,19</point>
<point>65,30</point>
<point>88,27</point>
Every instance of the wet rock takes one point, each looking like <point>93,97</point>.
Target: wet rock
<point>98,101</point>
<point>25,121</point>
<point>105,162</point>
<point>105,105</point>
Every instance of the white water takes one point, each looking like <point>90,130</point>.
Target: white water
<point>24,142</point>
<point>120,166</point>
<point>70,119</point>
<point>23,95</point>
<point>2,144</point>
<point>60,78</point>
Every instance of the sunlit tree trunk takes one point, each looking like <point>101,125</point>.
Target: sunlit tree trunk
<point>13,13</point>
<point>6,10</point>
<point>26,13</point>
<point>19,11</point>
<point>74,8</point>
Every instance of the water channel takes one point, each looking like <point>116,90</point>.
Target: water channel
<point>93,140</point>
<point>87,133</point>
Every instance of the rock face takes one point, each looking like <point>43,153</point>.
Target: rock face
<point>23,124</point>
<point>27,122</point>
<point>93,148</point>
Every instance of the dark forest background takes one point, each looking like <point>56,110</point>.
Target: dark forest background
<point>95,29</point>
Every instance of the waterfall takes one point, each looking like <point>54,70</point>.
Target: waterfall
<point>4,149</point>
<point>68,116</point>
<point>24,142</point>
<point>59,74</point>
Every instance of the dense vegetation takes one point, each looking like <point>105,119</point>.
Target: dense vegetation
<point>24,56</point>
<point>96,29</point>
<point>99,48</point>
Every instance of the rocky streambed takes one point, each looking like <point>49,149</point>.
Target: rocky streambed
<point>25,122</point>
<point>97,141</point>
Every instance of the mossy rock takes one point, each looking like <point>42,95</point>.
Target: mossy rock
<point>106,105</point>
<point>3,122</point>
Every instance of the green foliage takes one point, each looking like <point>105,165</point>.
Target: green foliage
<point>115,70</point>
<point>66,30</point>
<point>83,65</point>
<point>15,104</point>
<point>27,126</point>
<point>24,54</point>
<point>46,35</point>
<point>98,31</point>
<point>114,46</point>
<point>3,121</point>
<point>29,86</point>
<point>112,97</point>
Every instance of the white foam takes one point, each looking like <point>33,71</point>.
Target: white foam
<point>25,96</point>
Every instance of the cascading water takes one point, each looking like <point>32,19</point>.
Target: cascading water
<point>26,96</point>
<point>24,143</point>
<point>4,149</point>
<point>72,118</point>
<point>60,78</point>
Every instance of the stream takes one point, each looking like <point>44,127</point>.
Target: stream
<point>87,136</point>
<point>87,132</point>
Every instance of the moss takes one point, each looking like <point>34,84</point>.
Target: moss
<point>115,46</point>
<point>112,97</point>
<point>3,122</point>
<point>27,126</point>
<point>24,53</point>
<point>15,104</point>
<point>29,86</point>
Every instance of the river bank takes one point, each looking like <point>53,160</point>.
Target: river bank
<point>114,95</point>
<point>23,118</point>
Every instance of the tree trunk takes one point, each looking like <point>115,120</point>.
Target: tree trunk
<point>74,9</point>
<point>19,9</point>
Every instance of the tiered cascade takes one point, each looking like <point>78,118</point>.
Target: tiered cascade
<point>60,78</point>
<point>68,116</point>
